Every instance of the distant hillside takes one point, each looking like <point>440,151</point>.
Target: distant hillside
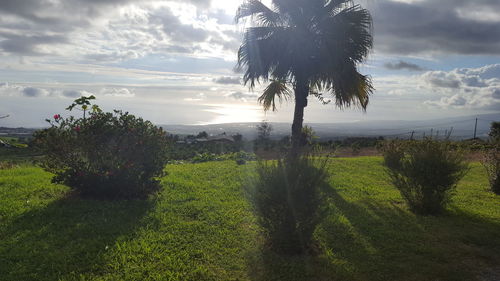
<point>16,132</point>
<point>460,127</point>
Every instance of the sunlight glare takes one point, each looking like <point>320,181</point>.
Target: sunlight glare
<point>234,113</point>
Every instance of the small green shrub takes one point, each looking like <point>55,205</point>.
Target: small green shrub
<point>105,156</point>
<point>491,162</point>
<point>5,165</point>
<point>205,157</point>
<point>287,200</point>
<point>425,172</point>
<point>240,157</point>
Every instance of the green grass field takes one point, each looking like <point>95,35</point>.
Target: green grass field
<point>200,227</point>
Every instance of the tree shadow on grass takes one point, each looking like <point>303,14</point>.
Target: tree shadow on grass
<point>265,265</point>
<point>66,238</point>
<point>384,241</point>
<point>368,240</point>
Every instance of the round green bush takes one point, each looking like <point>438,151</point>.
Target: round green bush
<point>106,155</point>
<point>425,172</point>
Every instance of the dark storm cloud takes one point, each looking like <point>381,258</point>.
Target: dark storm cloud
<point>434,26</point>
<point>228,80</point>
<point>402,65</point>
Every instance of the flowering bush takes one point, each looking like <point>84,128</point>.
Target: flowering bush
<point>106,155</point>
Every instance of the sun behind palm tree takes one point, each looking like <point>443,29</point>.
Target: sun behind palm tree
<point>312,46</point>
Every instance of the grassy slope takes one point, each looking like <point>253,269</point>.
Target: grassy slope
<point>201,228</point>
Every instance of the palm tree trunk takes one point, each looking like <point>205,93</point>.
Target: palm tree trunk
<point>301,93</point>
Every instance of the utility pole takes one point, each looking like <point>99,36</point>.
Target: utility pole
<point>475,129</point>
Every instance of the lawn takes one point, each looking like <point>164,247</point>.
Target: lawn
<point>200,227</point>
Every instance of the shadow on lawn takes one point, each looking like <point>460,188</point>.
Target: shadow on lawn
<point>365,240</point>
<point>66,238</point>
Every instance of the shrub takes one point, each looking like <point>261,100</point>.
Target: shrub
<point>425,172</point>
<point>5,165</point>
<point>204,157</point>
<point>287,200</point>
<point>240,157</point>
<point>491,162</point>
<point>107,155</point>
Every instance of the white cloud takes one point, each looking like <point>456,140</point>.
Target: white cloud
<point>465,88</point>
<point>11,90</point>
<point>198,97</point>
<point>245,97</point>
<point>32,91</point>
<point>117,92</point>
<point>228,80</point>
<point>113,30</point>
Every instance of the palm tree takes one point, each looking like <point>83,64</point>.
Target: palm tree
<point>310,46</point>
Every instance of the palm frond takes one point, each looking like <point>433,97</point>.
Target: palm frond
<point>277,89</point>
<point>263,53</point>
<point>335,6</point>
<point>254,8</point>
<point>348,88</point>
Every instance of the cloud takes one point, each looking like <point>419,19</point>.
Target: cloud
<point>198,97</point>
<point>29,44</point>
<point>74,93</point>
<point>464,88</point>
<point>175,29</point>
<point>430,26</point>
<point>117,92</point>
<point>227,80</point>
<point>402,65</point>
<point>442,79</point>
<point>113,30</point>
<point>242,96</point>
<point>32,92</point>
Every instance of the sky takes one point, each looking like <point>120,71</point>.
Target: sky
<point>172,62</point>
